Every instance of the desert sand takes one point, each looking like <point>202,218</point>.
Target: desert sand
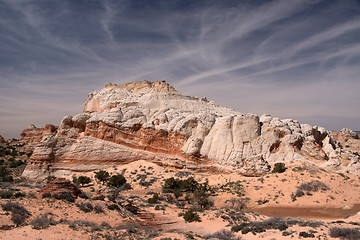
<point>264,197</point>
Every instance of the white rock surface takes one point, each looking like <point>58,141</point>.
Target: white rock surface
<point>155,117</point>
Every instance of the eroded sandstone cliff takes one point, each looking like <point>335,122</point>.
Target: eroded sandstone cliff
<point>33,135</point>
<point>154,122</point>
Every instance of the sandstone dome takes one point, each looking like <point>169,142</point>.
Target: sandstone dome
<point>152,121</point>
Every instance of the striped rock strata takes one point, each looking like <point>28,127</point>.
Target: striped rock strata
<point>154,122</point>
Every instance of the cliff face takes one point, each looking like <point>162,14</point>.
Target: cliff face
<point>154,122</point>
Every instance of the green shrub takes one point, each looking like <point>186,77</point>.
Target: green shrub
<point>154,198</point>
<point>344,176</point>
<point>132,209</point>
<point>6,194</point>
<point>46,195</point>
<point>49,178</point>
<point>16,164</point>
<point>298,169</point>
<point>177,192</point>
<point>169,198</point>
<point>102,175</point>
<point>191,216</point>
<point>82,180</point>
<point>189,185</point>
<point>14,153</point>
<point>171,184</point>
<point>83,195</point>
<point>8,179</point>
<point>201,198</point>
<point>64,196</point>
<point>5,175</point>
<point>197,193</point>
<point>117,180</point>
<point>99,197</point>
<point>106,225</point>
<point>234,188</point>
<point>279,168</point>
<point>19,195</point>
<point>113,207</point>
<point>306,235</point>
<point>262,201</point>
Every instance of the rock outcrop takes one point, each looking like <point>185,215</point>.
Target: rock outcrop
<point>58,186</point>
<point>33,135</point>
<point>154,122</point>
<point>2,140</point>
<point>348,133</point>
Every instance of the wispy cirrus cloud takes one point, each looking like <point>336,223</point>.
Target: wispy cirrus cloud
<point>296,59</point>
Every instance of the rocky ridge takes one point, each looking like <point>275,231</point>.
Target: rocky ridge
<point>152,121</point>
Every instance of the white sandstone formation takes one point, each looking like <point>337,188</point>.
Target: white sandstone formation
<point>154,122</point>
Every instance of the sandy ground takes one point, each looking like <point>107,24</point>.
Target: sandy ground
<point>264,197</point>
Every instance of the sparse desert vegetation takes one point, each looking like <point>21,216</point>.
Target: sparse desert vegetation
<point>144,201</point>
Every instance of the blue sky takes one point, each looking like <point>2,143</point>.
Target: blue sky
<point>294,59</point>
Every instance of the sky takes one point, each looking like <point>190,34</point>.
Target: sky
<point>297,59</point>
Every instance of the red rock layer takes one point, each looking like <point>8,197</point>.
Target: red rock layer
<point>139,138</point>
<point>34,134</point>
<point>59,185</point>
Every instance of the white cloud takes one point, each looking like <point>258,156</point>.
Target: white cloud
<point>255,58</point>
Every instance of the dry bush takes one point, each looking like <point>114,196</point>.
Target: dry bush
<point>223,235</point>
<point>85,207</point>
<point>313,186</point>
<point>18,213</point>
<point>43,221</point>
<point>98,208</point>
<point>345,233</point>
